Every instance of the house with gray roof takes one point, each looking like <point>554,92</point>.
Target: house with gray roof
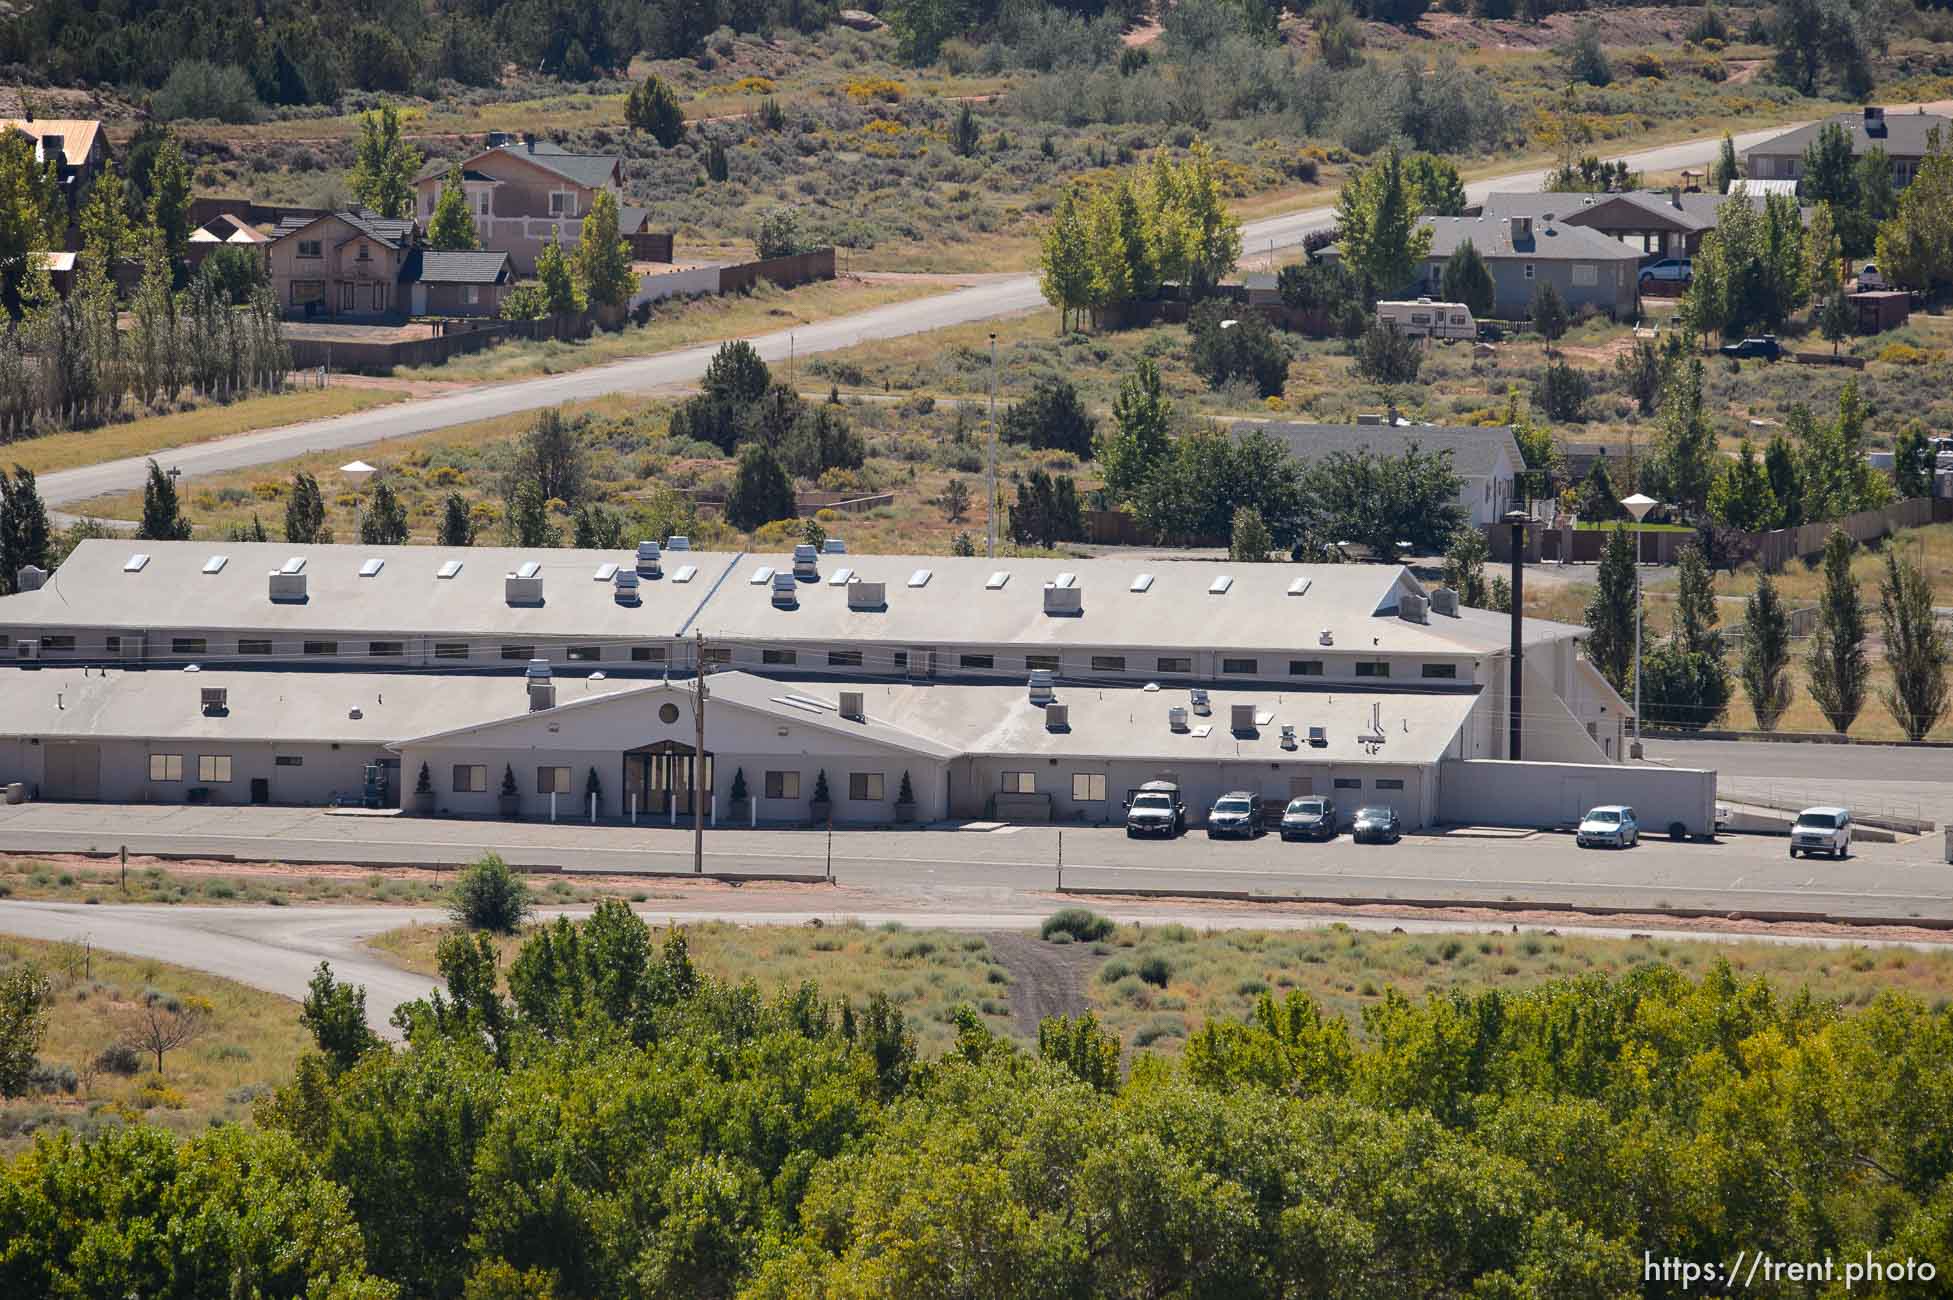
<point>1590,269</point>
<point>1904,137</point>
<point>1487,461</point>
<point>524,192</point>
<point>457,282</point>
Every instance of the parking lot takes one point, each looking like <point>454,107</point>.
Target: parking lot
<point>985,863</point>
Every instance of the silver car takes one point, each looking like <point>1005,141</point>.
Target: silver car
<point>1611,826</point>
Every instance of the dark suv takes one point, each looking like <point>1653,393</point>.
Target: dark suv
<point>1309,818</point>
<point>1235,813</point>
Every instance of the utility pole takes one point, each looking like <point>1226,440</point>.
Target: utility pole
<point>990,511</point>
<point>1517,520</point>
<point>698,758</point>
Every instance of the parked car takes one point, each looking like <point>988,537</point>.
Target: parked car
<point>1612,824</point>
<point>1376,826</point>
<point>1490,331</point>
<point>1669,270</point>
<point>1761,345</point>
<point>1869,278</point>
<point>1822,830</point>
<point>1235,813</point>
<point>1155,809</point>
<point>1309,818</point>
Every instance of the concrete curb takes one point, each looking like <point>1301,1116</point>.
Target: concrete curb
<point>1502,905</point>
<point>440,868</point>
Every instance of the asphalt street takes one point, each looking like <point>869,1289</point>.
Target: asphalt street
<point>981,869</point>
<point>1900,779</point>
<point>667,370</point>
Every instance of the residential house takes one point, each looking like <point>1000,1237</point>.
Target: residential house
<point>522,193</point>
<point>456,283</point>
<point>343,264</point>
<point>225,229</point>
<point>77,145</point>
<point>1486,460</point>
<point>1590,269</point>
<point>1903,137</point>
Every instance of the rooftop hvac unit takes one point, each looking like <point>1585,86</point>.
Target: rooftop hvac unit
<point>1042,685</point>
<point>1288,736</point>
<point>1413,609</point>
<point>1198,698</point>
<point>1444,601</point>
<point>786,591</point>
<point>542,686</point>
<point>867,595</point>
<point>27,648</point>
<point>1243,718</point>
<point>1176,718</point>
<point>287,586</point>
<point>806,561</point>
<point>649,558</point>
<point>1317,736</point>
<point>215,700</point>
<point>1064,600</point>
<point>852,707</point>
<point>523,587</point>
<point>624,585</point>
<point>30,577</point>
<point>834,546</point>
<point>1057,717</point>
<point>678,542</point>
<point>1327,638</point>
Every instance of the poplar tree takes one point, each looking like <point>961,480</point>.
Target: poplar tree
<point>1765,668</point>
<point>1915,648</point>
<point>384,164</point>
<point>1610,612</point>
<point>162,516</point>
<point>452,226</point>
<point>1836,662</point>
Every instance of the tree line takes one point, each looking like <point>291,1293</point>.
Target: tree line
<point>603,1118</point>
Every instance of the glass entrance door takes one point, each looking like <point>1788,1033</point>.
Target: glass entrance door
<point>660,775</point>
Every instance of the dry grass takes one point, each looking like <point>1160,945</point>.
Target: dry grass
<point>253,1040</point>
<point>196,423</point>
<point>927,973</point>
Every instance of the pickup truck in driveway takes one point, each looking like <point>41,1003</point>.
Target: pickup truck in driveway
<point>1761,345</point>
<point>1676,271</point>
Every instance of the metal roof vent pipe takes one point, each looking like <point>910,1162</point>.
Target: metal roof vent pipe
<point>1042,686</point>
<point>542,686</point>
<point>852,706</point>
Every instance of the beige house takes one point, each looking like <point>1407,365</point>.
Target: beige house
<point>522,193</point>
<point>77,144</point>
<point>345,264</point>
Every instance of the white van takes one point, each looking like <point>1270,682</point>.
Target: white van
<point>1426,318</point>
<point>1822,830</point>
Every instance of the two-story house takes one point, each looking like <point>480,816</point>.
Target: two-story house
<point>76,145</point>
<point>344,264</point>
<point>524,192</point>
<point>1903,137</point>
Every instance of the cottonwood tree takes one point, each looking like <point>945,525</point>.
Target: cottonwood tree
<point>169,199</point>
<point>1379,501</point>
<point>160,1023</point>
<point>1741,496</point>
<point>1439,187</point>
<point>1836,661</point>
<point>335,1015</point>
<point>1610,612</point>
<point>1464,567</point>
<point>384,165</point>
<point>1916,649</point>
<point>602,260</point>
<point>1765,665</point>
<point>1915,248</point>
<point>25,1001</point>
<point>1377,224</point>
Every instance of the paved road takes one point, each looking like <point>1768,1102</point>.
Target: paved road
<point>979,870</point>
<point>1895,779</point>
<point>999,297</point>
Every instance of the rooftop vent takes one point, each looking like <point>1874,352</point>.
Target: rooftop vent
<point>852,707</point>
<point>1300,587</point>
<point>1219,586</point>
<point>1197,697</point>
<point>287,584</point>
<point>528,569</point>
<point>920,578</point>
<point>806,560</point>
<point>1444,601</point>
<point>1413,609</point>
<point>840,577</point>
<point>1176,718</point>
<point>1057,717</point>
<point>1064,598</point>
<point>867,595</point>
<point>1318,737</point>
<point>1242,719</point>
<point>136,563</point>
<point>449,569</point>
<point>649,555</point>
<point>678,542</point>
<point>1522,230</point>
<point>997,580</point>
<point>763,575</point>
<point>215,700</point>
<point>834,546</point>
<point>1065,580</point>
<point>605,572</point>
<point>371,569</point>
<point>542,686</point>
<point>1288,736</point>
<point>1326,638</point>
<point>30,577</point>
<point>524,586</point>
<point>1144,582</point>
<point>684,573</point>
<point>624,587</point>
<point>785,590</point>
<point>1042,686</point>
<point>294,565</point>
<point>216,563</point>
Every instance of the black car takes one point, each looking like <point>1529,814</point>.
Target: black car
<point>1309,818</point>
<point>1761,345</point>
<point>1236,813</point>
<point>1377,826</point>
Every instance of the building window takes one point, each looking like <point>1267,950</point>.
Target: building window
<point>1305,668</point>
<point>1348,783</point>
<point>1108,663</point>
<point>1446,671</point>
<point>901,659</point>
<point>214,768</point>
<point>717,656</point>
<point>865,786</point>
<point>779,657</point>
<point>1168,664</point>
<point>1033,663</point>
<point>386,649</point>
<point>522,652</point>
<point>365,253</point>
<point>379,297</point>
<point>1390,783</point>
<point>585,654</point>
<point>783,785</point>
<point>668,713</point>
<point>322,647</point>
<point>57,643</point>
<point>1529,270</point>
<point>844,658</point>
<point>309,248</point>
<point>1585,274</point>
<point>1244,667</point>
<point>552,780</point>
<point>188,645</point>
<point>1020,783</point>
<point>166,767</point>
<point>288,760</point>
<point>253,647</point>
<point>978,661</point>
<point>473,294</point>
<point>450,649</point>
<point>562,203</point>
<point>470,778</point>
<point>647,654</point>
<point>1372,668</point>
<point>1088,787</point>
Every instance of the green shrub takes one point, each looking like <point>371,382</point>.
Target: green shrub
<point>490,896</point>
<point>1078,923</point>
<point>1155,970</point>
<point>1115,970</point>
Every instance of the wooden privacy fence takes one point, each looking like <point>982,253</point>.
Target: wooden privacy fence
<point>381,356</point>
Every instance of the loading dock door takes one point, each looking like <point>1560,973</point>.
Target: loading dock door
<point>73,771</point>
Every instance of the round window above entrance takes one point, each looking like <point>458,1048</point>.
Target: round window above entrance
<point>667,713</point>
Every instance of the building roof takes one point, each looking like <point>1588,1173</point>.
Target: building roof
<point>590,170</point>
<point>78,134</point>
<point>1552,241</point>
<point>1686,211</point>
<point>470,266</point>
<point>227,228</point>
<point>954,605</point>
<point>1902,134</point>
<point>1474,451</point>
<point>391,231</point>
<point>59,260</point>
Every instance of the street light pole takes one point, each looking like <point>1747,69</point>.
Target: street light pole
<point>990,511</point>
<point>1517,519</point>
<point>1638,505</point>
<point>698,758</point>
<point>357,472</point>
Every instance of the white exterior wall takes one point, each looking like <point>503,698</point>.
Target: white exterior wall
<point>1203,781</point>
<point>323,769</point>
<point>655,286</point>
<point>1498,793</point>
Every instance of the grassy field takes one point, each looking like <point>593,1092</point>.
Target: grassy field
<point>249,1047</point>
<point>68,881</point>
<point>928,973</point>
<point>196,422</point>
<point>679,325</point>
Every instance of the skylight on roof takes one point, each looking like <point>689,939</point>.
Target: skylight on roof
<point>528,569</point>
<point>1065,580</point>
<point>1144,582</point>
<point>294,565</point>
<point>216,563</point>
<point>762,575</point>
<point>686,572</point>
<point>1219,586</point>
<point>371,569</point>
<point>1300,587</point>
<point>605,572</point>
<point>136,563</point>
<point>448,569</point>
<point>920,578</point>
<point>840,577</point>
<point>997,580</point>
